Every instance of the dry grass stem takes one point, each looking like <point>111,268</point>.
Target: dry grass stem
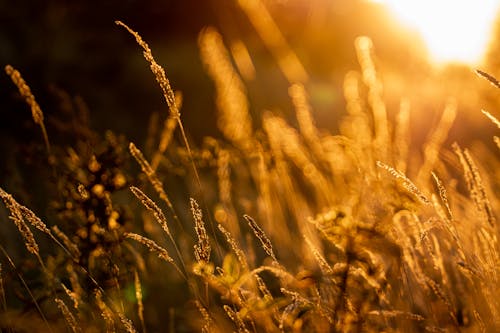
<point>233,118</point>
<point>151,245</point>
<point>236,248</point>
<point>207,320</point>
<point>402,135</point>
<point>169,95</point>
<point>436,140</point>
<point>322,263</point>
<point>68,243</point>
<point>243,60</point>
<point>305,118</point>
<point>396,313</point>
<point>106,313</point>
<point>152,207</point>
<point>490,78</point>
<point>364,50</point>
<point>475,184</point>
<point>235,317</point>
<point>443,195</point>
<point>274,40</point>
<point>68,316</point>
<point>261,235</point>
<point>150,204</point>
<point>480,321</point>
<point>33,219</point>
<point>492,118</point>
<point>18,218</point>
<point>150,173</point>
<point>166,136</point>
<point>25,91</point>
<point>167,133</point>
<point>407,183</point>
<point>157,70</point>
<point>138,296</point>
<point>202,249</point>
<point>127,323</point>
<point>75,298</point>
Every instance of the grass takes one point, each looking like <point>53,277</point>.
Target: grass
<point>271,228</point>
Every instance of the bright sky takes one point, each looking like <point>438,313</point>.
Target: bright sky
<point>454,30</point>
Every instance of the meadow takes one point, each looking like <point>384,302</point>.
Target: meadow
<point>275,226</point>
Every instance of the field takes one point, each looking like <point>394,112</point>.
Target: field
<point>277,225</point>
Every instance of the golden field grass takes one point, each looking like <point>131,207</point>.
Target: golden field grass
<point>277,226</point>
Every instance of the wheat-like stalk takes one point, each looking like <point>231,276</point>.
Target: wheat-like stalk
<point>236,248</point>
<point>127,323</point>
<point>17,217</point>
<point>305,119</point>
<point>152,207</point>
<point>475,184</point>
<point>243,60</point>
<point>68,316</point>
<point>224,176</point>
<point>151,174</point>
<point>402,135</point>
<point>75,298</point>
<point>490,78</point>
<point>202,249</point>
<point>396,313</point>
<point>480,190</point>
<point>207,320</point>
<point>364,46</point>
<point>274,40</point>
<point>25,91</point>
<point>138,296</point>
<point>443,195</point>
<point>436,140</point>
<point>106,312</point>
<point>491,117</point>
<point>407,183</point>
<point>357,125</point>
<point>33,219</point>
<point>233,118</point>
<point>236,318</point>
<point>166,136</point>
<point>167,133</point>
<point>480,321</point>
<point>322,263</point>
<point>261,235</point>
<point>151,245</point>
<point>157,70</point>
<point>68,243</point>
<point>78,291</point>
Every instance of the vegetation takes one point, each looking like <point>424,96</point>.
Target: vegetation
<point>273,228</point>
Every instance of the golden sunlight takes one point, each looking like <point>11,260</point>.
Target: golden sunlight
<point>454,31</point>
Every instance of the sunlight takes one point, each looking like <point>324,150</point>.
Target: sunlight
<point>454,31</point>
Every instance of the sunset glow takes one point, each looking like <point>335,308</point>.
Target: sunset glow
<point>454,31</point>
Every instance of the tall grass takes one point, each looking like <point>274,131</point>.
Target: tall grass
<point>272,228</point>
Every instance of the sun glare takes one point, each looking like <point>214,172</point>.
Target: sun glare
<point>453,30</point>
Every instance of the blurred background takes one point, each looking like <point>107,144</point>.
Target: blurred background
<point>74,48</point>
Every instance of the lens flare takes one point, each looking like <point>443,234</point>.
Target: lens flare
<point>454,31</point>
